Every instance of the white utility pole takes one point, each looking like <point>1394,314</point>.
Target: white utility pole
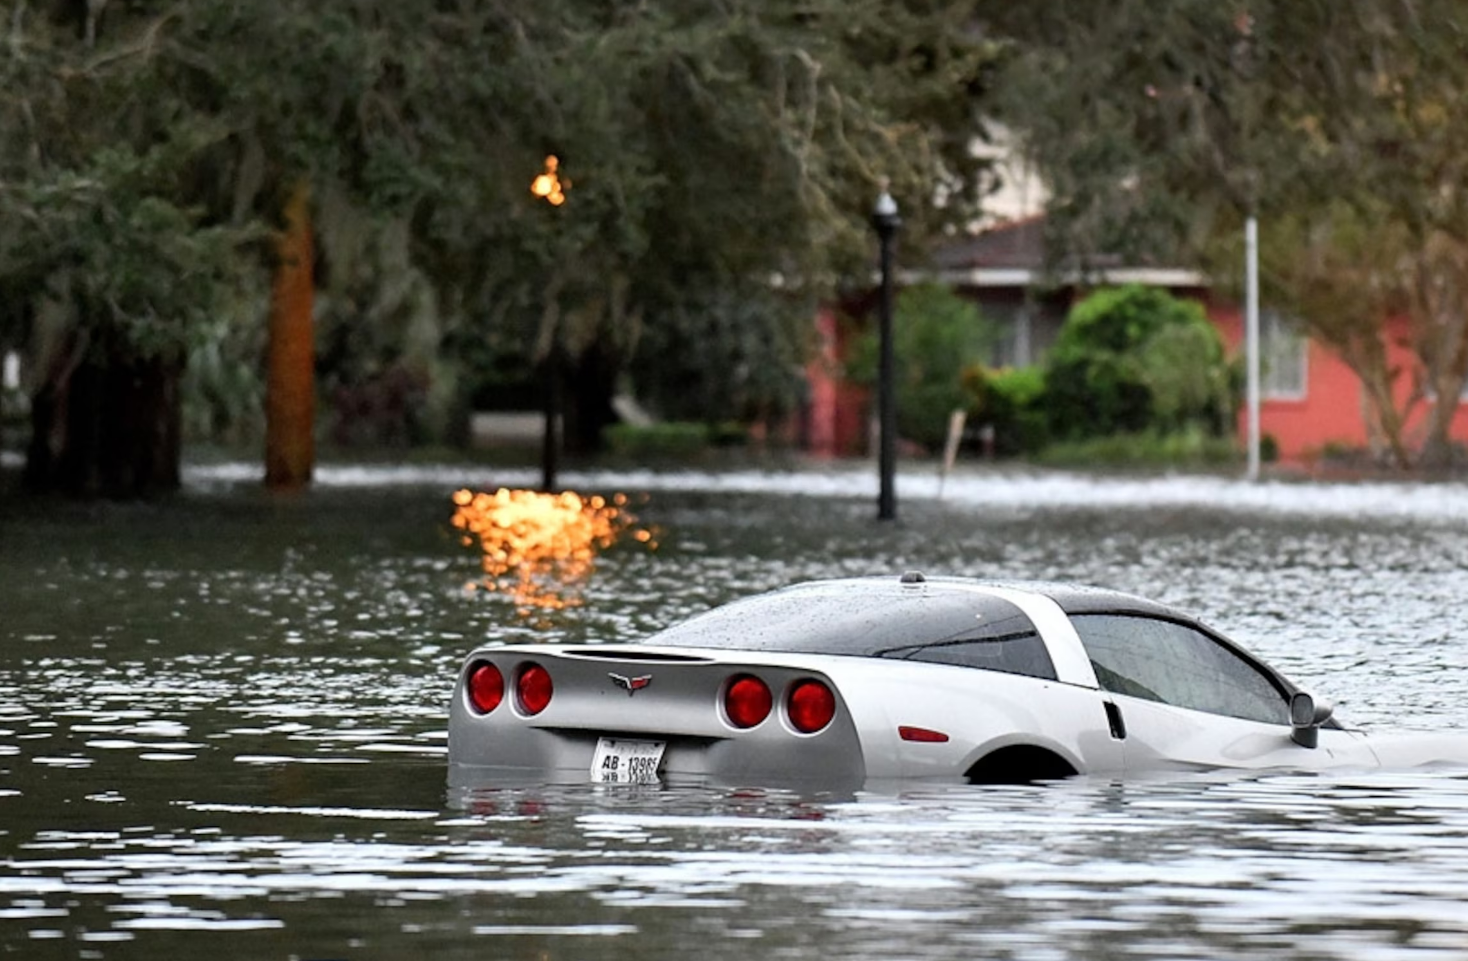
<point>1251,339</point>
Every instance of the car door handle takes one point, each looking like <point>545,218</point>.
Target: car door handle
<point>1114,721</point>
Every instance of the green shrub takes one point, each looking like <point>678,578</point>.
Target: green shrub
<point>664,439</point>
<point>1339,450</point>
<point>935,335</point>
<point>1133,359</point>
<point>1192,447</point>
<point>1011,400</point>
<point>1184,368</point>
<point>728,433</point>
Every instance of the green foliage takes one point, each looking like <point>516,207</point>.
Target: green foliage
<point>666,439</point>
<point>1152,123</point>
<point>734,353</point>
<point>936,335</point>
<point>1160,127</point>
<point>709,151</point>
<point>143,274</point>
<point>223,393</point>
<point>1011,402</point>
<point>387,376</point>
<point>1185,372</point>
<point>1191,447</point>
<point>1133,358</point>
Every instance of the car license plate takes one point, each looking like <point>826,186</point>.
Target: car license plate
<point>621,761</point>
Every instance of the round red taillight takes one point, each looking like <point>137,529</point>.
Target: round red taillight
<point>747,701</point>
<point>811,706</point>
<point>486,687</point>
<point>534,688</point>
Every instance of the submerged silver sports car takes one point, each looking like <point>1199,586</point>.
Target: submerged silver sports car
<point>901,678</point>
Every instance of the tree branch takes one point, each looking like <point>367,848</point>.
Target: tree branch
<point>17,34</point>
<point>145,47</point>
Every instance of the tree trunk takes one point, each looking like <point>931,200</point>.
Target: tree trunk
<point>1386,422</point>
<point>552,374</point>
<point>109,425</point>
<point>1447,370</point>
<point>1438,451</point>
<point>1441,321</point>
<point>290,395</point>
<point>593,383</point>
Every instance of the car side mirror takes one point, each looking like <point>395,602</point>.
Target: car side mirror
<point>1306,716</point>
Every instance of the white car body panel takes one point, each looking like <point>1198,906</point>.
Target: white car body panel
<point>1163,737</point>
<point>980,712</point>
<point>975,707</point>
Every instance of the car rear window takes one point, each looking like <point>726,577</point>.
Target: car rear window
<point>962,628</point>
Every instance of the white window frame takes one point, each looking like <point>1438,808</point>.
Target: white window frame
<point>1283,346</point>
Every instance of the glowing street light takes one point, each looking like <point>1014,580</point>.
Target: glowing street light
<point>549,185</point>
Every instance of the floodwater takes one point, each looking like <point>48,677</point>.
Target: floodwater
<point>222,732</point>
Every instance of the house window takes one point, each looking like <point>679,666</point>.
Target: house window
<point>1430,392</point>
<point>1283,355</point>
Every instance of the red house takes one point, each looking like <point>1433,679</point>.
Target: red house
<point>1311,402</point>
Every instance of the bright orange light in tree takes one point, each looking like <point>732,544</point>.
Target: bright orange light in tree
<point>549,184</point>
<point>539,548</point>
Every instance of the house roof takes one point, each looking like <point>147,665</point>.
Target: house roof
<point>1013,255</point>
<point>1019,244</point>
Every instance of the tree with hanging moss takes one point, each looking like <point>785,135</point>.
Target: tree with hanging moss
<point>708,153</point>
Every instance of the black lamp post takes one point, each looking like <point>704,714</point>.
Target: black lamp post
<point>550,446</point>
<point>550,187</point>
<point>886,221</point>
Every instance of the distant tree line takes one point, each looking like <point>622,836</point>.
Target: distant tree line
<point>1339,124</point>
<point>174,175</point>
<point>193,195</point>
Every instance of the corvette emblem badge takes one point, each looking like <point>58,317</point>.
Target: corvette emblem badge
<point>631,684</point>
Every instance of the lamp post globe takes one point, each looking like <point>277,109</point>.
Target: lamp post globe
<point>885,221</point>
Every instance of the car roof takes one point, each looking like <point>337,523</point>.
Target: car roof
<point>1083,598</point>
<point>1072,598</point>
<point>875,615</point>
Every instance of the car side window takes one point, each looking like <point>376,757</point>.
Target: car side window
<point>1175,664</point>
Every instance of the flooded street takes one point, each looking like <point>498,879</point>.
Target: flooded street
<point>222,732</point>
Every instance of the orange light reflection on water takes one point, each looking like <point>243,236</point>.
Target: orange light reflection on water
<point>539,548</point>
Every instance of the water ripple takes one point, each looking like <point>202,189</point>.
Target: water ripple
<point>222,730</point>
